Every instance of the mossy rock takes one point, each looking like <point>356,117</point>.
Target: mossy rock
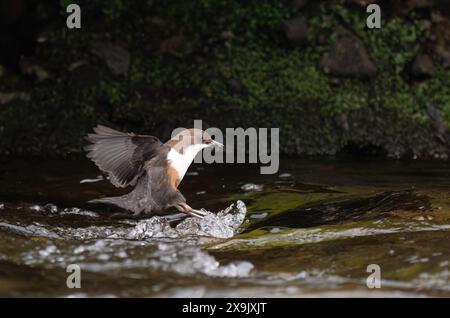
<point>229,64</point>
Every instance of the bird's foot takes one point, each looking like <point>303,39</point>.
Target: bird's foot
<point>190,211</point>
<point>197,213</point>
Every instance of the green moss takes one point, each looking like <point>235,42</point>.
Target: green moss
<point>392,46</point>
<point>233,68</point>
<point>436,93</point>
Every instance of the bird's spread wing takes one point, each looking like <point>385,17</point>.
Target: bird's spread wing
<point>121,155</point>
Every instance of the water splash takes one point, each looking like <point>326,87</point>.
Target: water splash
<point>112,255</point>
<point>192,260</point>
<point>252,187</point>
<point>97,179</point>
<point>224,224</point>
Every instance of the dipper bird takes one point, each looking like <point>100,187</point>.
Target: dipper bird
<point>155,169</point>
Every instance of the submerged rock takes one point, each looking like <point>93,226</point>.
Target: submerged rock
<point>347,210</point>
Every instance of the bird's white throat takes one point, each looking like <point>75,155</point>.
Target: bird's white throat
<point>181,161</point>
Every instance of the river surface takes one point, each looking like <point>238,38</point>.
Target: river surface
<point>311,230</point>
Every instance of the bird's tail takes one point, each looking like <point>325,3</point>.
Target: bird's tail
<point>135,201</point>
<point>121,201</point>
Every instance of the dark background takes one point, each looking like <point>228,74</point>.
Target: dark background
<point>311,68</point>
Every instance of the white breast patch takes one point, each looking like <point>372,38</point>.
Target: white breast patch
<point>181,162</point>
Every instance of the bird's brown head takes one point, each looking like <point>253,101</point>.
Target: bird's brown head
<point>193,138</point>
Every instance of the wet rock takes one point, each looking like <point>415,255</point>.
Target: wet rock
<point>158,21</point>
<point>443,53</point>
<point>440,37</point>
<point>83,75</point>
<point>299,4</point>
<point>224,224</point>
<point>237,89</point>
<point>348,57</point>
<point>73,66</point>
<point>334,212</point>
<point>438,122</point>
<point>6,98</point>
<point>423,66</point>
<point>173,44</point>
<point>116,57</point>
<point>402,8</point>
<point>360,3</point>
<point>30,68</point>
<point>341,120</point>
<point>296,31</point>
<point>227,35</point>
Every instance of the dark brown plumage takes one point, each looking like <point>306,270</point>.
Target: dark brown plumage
<point>153,168</point>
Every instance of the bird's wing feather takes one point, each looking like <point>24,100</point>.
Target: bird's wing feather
<point>121,155</point>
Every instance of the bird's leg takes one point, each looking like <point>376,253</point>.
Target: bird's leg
<point>193,212</point>
<point>198,213</point>
<point>175,217</point>
<point>183,207</point>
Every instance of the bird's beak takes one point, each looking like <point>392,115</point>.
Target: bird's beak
<point>216,144</point>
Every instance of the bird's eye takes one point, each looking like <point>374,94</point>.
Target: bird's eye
<point>206,139</point>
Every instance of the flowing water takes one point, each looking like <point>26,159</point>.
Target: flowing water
<point>311,230</point>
